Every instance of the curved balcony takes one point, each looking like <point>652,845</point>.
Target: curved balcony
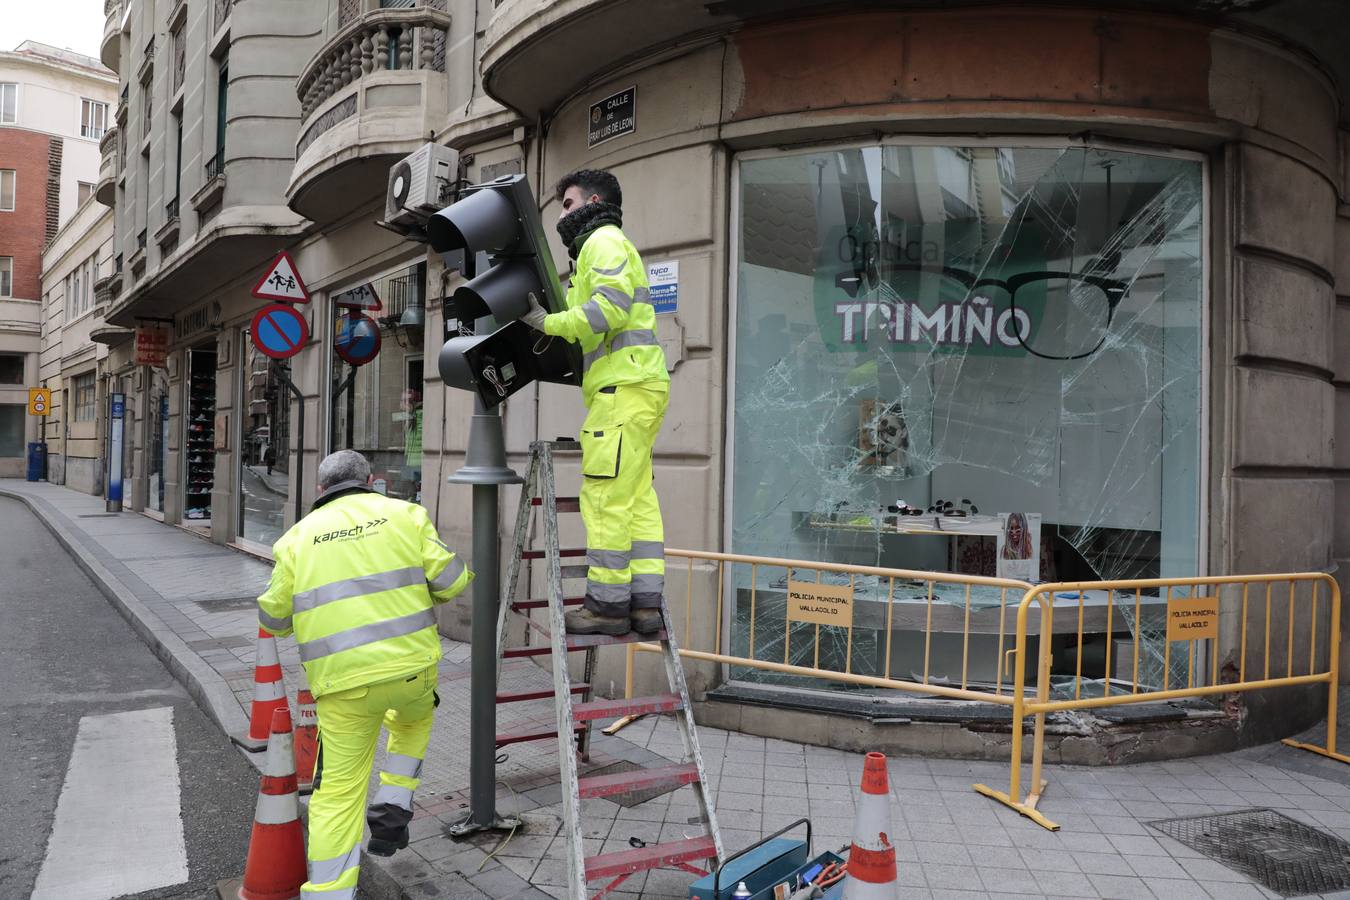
<point>371,95</point>
<point>110,49</point>
<point>524,69</point>
<point>107,167</point>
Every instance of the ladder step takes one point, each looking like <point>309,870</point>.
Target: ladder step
<point>664,778</point>
<point>523,605</point>
<point>653,856</point>
<point>531,730</point>
<point>636,706</point>
<point>564,504</point>
<point>522,696</point>
<point>540,554</point>
<point>577,642</point>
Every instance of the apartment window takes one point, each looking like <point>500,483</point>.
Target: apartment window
<point>6,276</point>
<point>222,94</point>
<point>84,398</point>
<point>9,103</point>
<point>11,368</point>
<point>93,118</point>
<point>86,190</point>
<point>76,286</point>
<point>7,187</point>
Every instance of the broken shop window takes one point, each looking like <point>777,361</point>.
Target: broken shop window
<point>932,338</point>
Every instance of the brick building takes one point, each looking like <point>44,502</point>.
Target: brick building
<point>54,108</point>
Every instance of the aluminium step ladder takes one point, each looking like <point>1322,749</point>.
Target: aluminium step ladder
<point>574,717</point>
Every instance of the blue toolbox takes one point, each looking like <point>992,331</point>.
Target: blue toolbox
<point>770,869</point>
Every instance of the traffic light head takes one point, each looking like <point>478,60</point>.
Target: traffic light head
<point>499,218</point>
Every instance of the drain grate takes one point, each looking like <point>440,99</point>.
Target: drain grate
<point>226,604</point>
<point>1285,855</point>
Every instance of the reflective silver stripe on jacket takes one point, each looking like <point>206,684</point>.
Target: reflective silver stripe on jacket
<point>642,295</point>
<point>394,795</point>
<point>607,559</point>
<point>614,271</point>
<point>615,296</point>
<point>449,575</point>
<point>358,587</point>
<point>595,317</point>
<point>322,871</point>
<point>648,550</point>
<point>648,583</point>
<point>366,634</point>
<point>641,337</point>
<point>274,624</point>
<point>402,764</point>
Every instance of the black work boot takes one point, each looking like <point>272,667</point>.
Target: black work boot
<point>388,828</point>
<point>646,621</point>
<point>587,621</point>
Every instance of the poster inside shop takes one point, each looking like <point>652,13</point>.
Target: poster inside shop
<point>1019,546</point>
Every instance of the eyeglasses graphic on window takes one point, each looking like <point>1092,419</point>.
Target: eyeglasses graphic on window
<point>1070,312</point>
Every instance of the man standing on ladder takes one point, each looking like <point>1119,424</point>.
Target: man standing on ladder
<point>356,580</point>
<point>626,389</point>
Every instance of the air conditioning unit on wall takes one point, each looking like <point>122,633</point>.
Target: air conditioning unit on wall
<point>419,185</point>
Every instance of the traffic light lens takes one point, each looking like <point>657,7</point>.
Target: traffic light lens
<point>500,292</point>
<point>484,220</point>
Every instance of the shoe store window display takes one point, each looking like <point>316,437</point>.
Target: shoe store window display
<point>199,445</point>
<point>626,388</point>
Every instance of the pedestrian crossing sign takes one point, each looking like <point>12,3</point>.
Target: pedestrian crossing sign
<point>39,401</point>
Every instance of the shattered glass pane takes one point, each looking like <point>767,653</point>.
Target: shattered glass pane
<point>1005,341</point>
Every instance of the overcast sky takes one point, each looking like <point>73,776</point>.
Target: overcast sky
<point>77,26</point>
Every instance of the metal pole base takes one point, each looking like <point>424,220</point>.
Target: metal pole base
<point>469,828</point>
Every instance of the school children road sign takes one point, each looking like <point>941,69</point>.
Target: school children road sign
<point>282,282</point>
<point>279,331</point>
<point>39,401</point>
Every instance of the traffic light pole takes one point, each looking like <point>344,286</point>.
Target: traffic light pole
<point>485,468</point>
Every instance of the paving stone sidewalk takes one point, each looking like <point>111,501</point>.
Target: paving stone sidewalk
<point>193,602</point>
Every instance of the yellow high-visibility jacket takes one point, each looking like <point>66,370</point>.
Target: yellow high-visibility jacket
<point>356,580</point>
<point>609,312</point>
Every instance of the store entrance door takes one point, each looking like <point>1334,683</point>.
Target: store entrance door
<point>199,444</point>
<point>264,451</point>
<point>157,440</point>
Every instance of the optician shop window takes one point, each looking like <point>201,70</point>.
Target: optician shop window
<point>982,360</point>
<point>376,394</point>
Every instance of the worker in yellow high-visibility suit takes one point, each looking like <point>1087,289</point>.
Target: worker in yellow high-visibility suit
<point>356,580</point>
<point>626,389</point>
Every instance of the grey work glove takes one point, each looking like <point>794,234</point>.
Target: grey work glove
<point>536,314</point>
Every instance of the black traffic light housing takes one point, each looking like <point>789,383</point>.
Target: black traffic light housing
<point>500,218</point>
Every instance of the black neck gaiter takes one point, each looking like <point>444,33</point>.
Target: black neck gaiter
<point>577,225</point>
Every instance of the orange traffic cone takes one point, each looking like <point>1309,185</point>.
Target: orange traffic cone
<point>269,695</point>
<point>276,852</point>
<point>306,741</point>
<point>871,861</point>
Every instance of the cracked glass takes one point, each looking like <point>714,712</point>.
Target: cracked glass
<point>980,360</point>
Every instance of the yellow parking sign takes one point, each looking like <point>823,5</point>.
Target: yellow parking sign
<point>39,401</point>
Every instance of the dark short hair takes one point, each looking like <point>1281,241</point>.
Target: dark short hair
<point>591,181</point>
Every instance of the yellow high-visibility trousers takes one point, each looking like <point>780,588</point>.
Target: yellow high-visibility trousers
<point>625,540</point>
<point>349,725</point>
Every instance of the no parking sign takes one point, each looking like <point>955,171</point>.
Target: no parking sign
<point>279,331</point>
<point>358,339</point>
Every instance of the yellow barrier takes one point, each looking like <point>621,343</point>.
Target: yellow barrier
<point>1042,704</point>
<point>1044,597</point>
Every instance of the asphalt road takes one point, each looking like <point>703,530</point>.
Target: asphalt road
<point>71,665</point>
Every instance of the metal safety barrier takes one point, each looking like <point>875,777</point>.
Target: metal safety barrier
<point>1189,613</point>
<point>1200,613</point>
<point>977,605</point>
